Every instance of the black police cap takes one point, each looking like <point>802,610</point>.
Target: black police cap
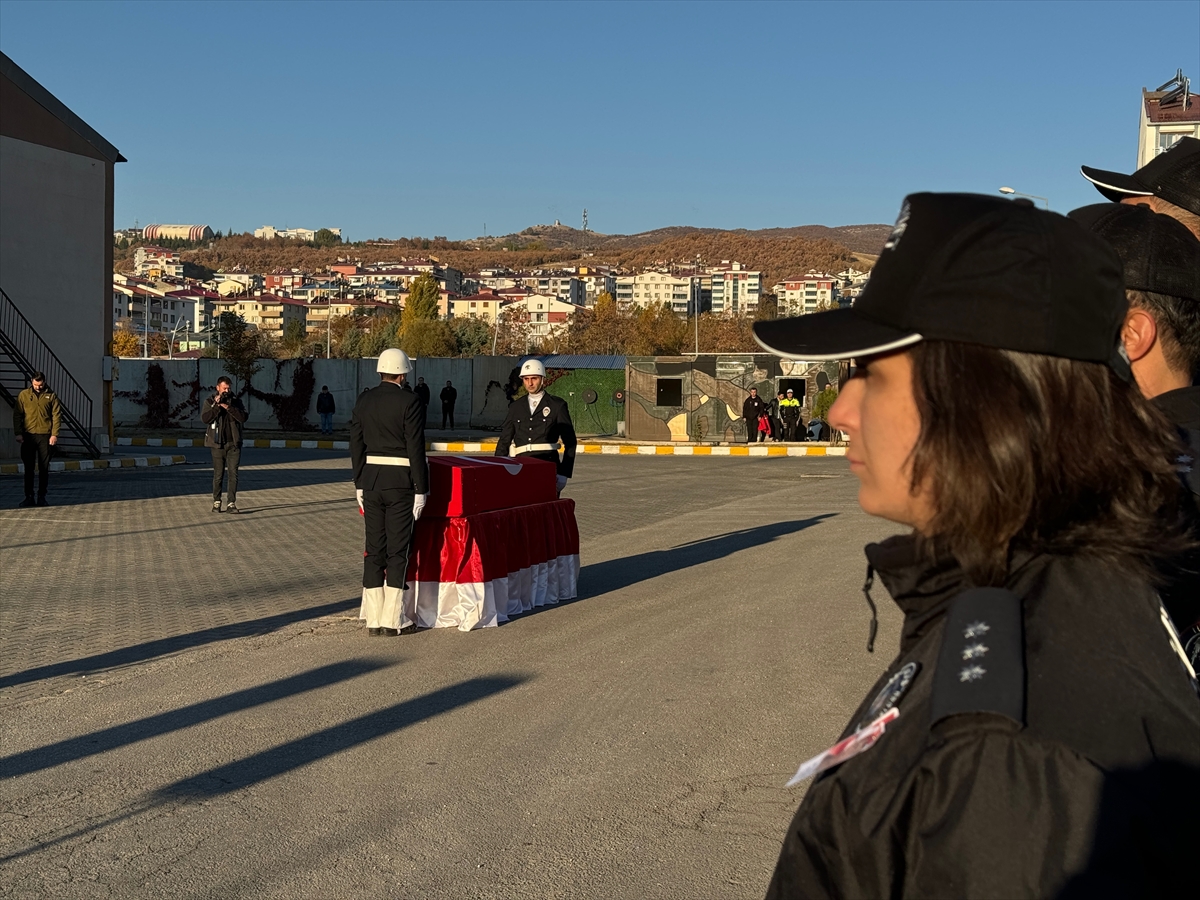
<point>979,270</point>
<point>1158,253</point>
<point>1173,175</point>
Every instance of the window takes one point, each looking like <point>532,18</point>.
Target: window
<point>1168,139</point>
<point>669,392</point>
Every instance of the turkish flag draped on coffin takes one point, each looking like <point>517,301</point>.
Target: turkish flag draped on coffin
<point>492,542</point>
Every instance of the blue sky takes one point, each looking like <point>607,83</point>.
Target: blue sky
<point>436,119</point>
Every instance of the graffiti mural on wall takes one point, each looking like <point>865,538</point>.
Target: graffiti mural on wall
<point>700,398</point>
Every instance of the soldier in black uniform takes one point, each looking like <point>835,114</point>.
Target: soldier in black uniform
<point>537,422</point>
<point>1038,733</point>
<point>391,478</point>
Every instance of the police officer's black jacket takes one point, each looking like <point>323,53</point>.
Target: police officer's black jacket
<point>547,424</point>
<point>1091,788</point>
<point>389,421</point>
<point>1182,592</point>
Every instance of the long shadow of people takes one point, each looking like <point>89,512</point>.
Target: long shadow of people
<point>615,574</point>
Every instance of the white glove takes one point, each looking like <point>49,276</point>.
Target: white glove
<point>418,505</point>
<point>358,496</point>
<point>562,483</point>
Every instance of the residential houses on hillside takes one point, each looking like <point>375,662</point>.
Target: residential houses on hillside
<point>158,297</point>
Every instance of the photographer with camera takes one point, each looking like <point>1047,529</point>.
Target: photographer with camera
<point>223,415</point>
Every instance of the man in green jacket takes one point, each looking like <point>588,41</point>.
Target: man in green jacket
<point>37,417</point>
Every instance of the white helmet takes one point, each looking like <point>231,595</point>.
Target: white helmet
<point>533,367</point>
<point>393,362</point>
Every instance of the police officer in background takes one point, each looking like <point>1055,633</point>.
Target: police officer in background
<point>537,422</point>
<point>391,478</point>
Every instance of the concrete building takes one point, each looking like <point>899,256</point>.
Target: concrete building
<point>266,312</point>
<point>548,315</point>
<point>735,290</point>
<point>56,258</point>
<point>682,292</point>
<point>807,293</point>
<point>157,262</point>
<point>296,234</point>
<point>1167,114</point>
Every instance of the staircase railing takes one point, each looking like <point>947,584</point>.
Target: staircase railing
<point>29,353</point>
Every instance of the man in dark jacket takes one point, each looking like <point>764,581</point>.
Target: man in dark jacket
<point>421,389</point>
<point>223,416</point>
<point>391,480</point>
<point>37,417</point>
<point>325,409</point>
<point>537,422</point>
<point>448,396</point>
<point>1161,265</point>
<point>753,407</point>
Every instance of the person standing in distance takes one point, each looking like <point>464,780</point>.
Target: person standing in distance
<point>789,411</point>
<point>537,422</point>
<point>223,416</point>
<point>37,416</point>
<point>325,409</point>
<point>391,481</point>
<point>448,396</point>
<point>752,408</point>
<point>1038,732</point>
<point>421,389</point>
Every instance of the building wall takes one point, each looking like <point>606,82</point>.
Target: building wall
<point>714,388</point>
<point>55,237</point>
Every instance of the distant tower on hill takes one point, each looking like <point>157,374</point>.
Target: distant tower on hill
<point>585,219</point>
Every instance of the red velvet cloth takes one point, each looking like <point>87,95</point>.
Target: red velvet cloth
<point>494,544</point>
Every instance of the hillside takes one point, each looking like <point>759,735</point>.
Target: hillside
<point>778,252</point>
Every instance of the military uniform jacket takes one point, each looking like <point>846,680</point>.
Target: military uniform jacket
<point>389,421</point>
<point>547,424</point>
<point>1081,783</point>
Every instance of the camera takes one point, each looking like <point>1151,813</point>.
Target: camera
<point>222,397</point>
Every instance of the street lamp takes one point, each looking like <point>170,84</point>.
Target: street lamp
<point>1008,190</point>
<point>171,343</point>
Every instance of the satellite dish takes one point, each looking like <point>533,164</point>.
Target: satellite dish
<point>618,396</point>
<point>822,381</point>
<point>589,396</point>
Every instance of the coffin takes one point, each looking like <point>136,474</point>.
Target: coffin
<point>466,485</point>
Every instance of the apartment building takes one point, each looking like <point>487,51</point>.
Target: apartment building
<point>682,292</point>
<point>807,293</point>
<point>735,290</point>
<point>266,312</point>
<point>563,285</point>
<point>547,314</point>
<point>285,282</point>
<point>296,234</point>
<point>157,262</point>
<point>484,306</point>
<point>1167,114</point>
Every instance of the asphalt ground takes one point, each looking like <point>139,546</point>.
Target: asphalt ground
<point>188,707</point>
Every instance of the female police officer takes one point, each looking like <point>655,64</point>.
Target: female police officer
<point>1039,730</point>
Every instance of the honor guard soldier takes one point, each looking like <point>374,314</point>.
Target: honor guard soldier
<point>535,424</point>
<point>391,478</point>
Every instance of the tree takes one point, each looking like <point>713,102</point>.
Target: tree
<point>822,403</point>
<point>293,336</point>
<point>326,238</point>
<point>126,343</point>
<point>657,331</point>
<point>602,332</point>
<point>472,337</point>
<point>428,337</point>
<point>768,308</point>
<point>238,346</point>
<point>512,337</point>
<point>423,296</point>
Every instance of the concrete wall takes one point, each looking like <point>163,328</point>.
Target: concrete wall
<point>53,240</point>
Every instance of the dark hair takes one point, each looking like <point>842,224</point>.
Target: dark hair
<point>38,376</point>
<point>1178,322</point>
<point>225,379</point>
<point>324,387</point>
<point>1029,452</point>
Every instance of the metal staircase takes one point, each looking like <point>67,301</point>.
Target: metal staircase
<point>23,352</point>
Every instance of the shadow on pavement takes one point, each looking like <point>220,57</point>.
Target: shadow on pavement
<point>259,767</point>
<point>52,755</point>
<point>150,649</point>
<point>615,574</point>
<point>292,755</point>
